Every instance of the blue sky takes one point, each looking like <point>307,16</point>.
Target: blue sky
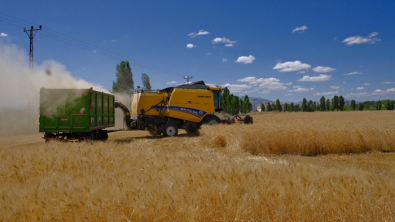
<point>275,49</point>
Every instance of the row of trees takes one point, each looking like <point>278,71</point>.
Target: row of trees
<point>233,104</point>
<point>378,105</point>
<point>124,79</point>
<point>336,104</point>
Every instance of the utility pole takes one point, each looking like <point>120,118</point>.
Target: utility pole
<point>31,33</point>
<point>188,78</point>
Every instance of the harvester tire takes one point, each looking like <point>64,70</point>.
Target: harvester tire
<point>192,130</point>
<point>211,120</point>
<point>170,129</point>
<point>155,132</point>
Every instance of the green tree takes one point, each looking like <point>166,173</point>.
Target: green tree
<point>262,107</point>
<point>235,104</point>
<point>297,108</point>
<point>225,100</point>
<point>286,107</point>
<point>304,105</point>
<point>292,107</point>
<point>360,106</point>
<point>353,105</point>
<point>378,105</point>
<point>269,107</point>
<point>246,105</point>
<point>335,103</point>
<point>146,82</point>
<point>310,106</point>
<point>322,103</point>
<point>124,78</point>
<point>328,105</point>
<point>341,103</point>
<point>278,105</point>
<point>242,106</point>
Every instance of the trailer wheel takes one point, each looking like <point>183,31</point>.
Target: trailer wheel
<point>211,120</point>
<point>103,135</point>
<point>170,129</point>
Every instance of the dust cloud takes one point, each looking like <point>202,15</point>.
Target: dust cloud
<point>20,88</point>
<point>119,116</point>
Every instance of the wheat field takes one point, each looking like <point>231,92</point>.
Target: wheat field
<point>336,166</point>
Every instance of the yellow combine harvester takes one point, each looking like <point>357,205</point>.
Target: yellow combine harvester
<point>183,107</point>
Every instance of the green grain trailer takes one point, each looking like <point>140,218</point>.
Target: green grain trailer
<point>75,114</point>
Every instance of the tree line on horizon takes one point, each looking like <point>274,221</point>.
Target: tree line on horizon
<point>234,105</point>
<point>336,104</point>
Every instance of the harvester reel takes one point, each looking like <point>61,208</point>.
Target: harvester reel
<point>170,129</point>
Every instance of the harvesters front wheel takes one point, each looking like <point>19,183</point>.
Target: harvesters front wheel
<point>170,129</point>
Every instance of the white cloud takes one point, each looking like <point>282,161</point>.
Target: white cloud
<point>229,45</point>
<point>264,83</point>
<point>246,59</point>
<point>3,34</point>
<point>299,29</point>
<point>199,33</point>
<point>236,88</point>
<point>361,94</point>
<point>190,46</point>
<point>319,78</point>
<point>322,69</point>
<point>353,73</point>
<point>224,60</point>
<point>360,88</point>
<point>302,72</point>
<point>366,84</point>
<point>360,40</point>
<point>171,82</point>
<point>326,93</point>
<point>387,82</point>
<point>299,89</point>
<point>382,92</point>
<point>223,40</point>
<point>335,87</point>
<point>291,66</point>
